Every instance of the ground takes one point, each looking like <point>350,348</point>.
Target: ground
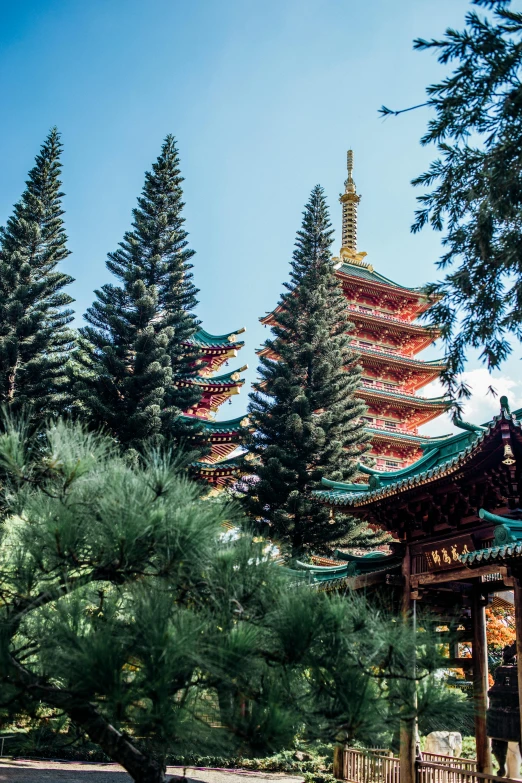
<point>25,771</point>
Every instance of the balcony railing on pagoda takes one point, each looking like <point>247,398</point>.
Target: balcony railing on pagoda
<point>389,350</point>
<point>377,313</point>
<point>387,387</point>
<point>389,428</point>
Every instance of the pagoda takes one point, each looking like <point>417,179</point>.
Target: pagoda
<point>223,437</point>
<point>388,338</point>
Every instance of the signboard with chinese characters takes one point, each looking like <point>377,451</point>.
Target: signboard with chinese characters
<point>446,554</point>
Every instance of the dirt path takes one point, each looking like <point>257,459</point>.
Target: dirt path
<point>25,771</point>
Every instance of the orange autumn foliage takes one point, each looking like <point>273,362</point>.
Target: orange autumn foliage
<point>500,626</point>
<point>500,630</point>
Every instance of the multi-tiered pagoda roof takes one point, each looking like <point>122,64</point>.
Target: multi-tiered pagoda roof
<point>388,337</point>
<point>223,437</point>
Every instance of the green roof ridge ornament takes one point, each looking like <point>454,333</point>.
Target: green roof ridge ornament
<point>507,531</point>
<point>465,425</point>
<point>374,482</point>
<point>504,404</point>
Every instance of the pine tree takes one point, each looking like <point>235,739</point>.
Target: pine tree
<point>475,187</point>
<point>125,610</point>
<point>306,419</point>
<point>35,341</point>
<point>135,349</point>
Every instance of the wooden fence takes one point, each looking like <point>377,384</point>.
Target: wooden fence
<point>367,766</point>
<point>439,773</point>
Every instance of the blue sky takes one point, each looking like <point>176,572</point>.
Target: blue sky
<point>264,99</point>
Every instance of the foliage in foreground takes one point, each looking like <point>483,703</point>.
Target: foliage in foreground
<point>125,608</point>
<point>305,414</point>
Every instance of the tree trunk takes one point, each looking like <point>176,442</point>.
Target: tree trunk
<point>141,767</point>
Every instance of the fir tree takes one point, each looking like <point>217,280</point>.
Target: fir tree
<point>475,187</point>
<point>306,419</point>
<point>135,350</point>
<point>35,341</point>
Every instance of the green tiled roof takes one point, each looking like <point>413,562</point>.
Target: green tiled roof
<point>423,401</point>
<point>355,565</point>
<point>422,440</point>
<point>219,380</point>
<point>435,363</point>
<point>375,277</point>
<point>225,464</point>
<point>205,340</point>
<point>494,554</point>
<point>439,457</point>
<point>211,427</point>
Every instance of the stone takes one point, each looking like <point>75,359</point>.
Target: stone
<point>444,743</point>
<point>300,756</point>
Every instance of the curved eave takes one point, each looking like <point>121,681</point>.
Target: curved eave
<point>218,469</point>
<point>395,325</point>
<point>493,555</point>
<point>338,495</point>
<point>388,435</point>
<point>220,429</point>
<point>219,342</point>
<point>405,400</point>
<point>435,366</point>
<point>218,383</point>
<point>363,277</point>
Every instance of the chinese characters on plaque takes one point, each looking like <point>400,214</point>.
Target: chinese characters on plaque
<point>446,554</point>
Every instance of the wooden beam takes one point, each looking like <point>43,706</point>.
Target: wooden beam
<point>518,630</point>
<point>480,679</point>
<point>408,724</point>
<point>368,580</point>
<point>456,575</point>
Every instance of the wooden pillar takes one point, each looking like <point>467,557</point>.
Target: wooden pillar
<point>518,630</point>
<point>407,727</point>
<point>480,679</point>
<point>338,762</point>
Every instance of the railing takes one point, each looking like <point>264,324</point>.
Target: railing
<point>380,314</point>
<point>5,737</point>
<point>387,387</point>
<point>450,761</point>
<point>366,766</point>
<point>441,773</point>
<point>419,564</point>
<point>361,766</point>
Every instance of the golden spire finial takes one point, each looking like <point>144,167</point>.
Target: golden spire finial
<point>350,201</point>
<point>349,183</point>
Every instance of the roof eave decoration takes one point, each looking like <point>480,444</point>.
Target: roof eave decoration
<point>207,341</point>
<point>507,542</point>
<point>436,464</point>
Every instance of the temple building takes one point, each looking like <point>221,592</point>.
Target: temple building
<point>456,520</point>
<point>388,338</point>
<point>223,436</point>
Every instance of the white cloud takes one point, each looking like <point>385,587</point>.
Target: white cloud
<point>482,405</point>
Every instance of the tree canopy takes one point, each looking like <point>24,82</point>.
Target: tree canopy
<point>136,352</point>
<point>35,338</point>
<point>305,415</point>
<point>474,188</point>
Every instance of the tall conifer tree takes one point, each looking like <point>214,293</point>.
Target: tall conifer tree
<point>306,418</point>
<point>35,339</point>
<point>134,350</point>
